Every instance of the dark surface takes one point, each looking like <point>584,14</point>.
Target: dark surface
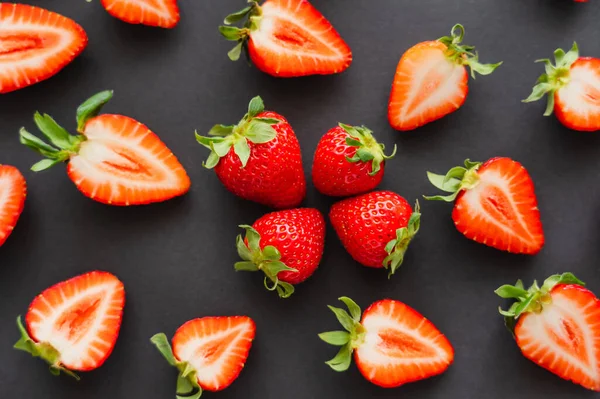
<point>176,259</point>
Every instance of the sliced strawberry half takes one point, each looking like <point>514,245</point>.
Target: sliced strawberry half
<point>495,204</point>
<point>74,324</point>
<point>35,44</point>
<point>557,326</point>
<point>115,160</point>
<point>13,191</point>
<point>209,352</point>
<point>288,38</point>
<point>393,344</point>
<point>159,13</point>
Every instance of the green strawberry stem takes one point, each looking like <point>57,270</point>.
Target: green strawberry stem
<point>249,128</point>
<point>267,259</point>
<point>253,16</point>
<point>457,179</point>
<point>43,350</point>
<point>556,76</point>
<point>187,383</point>
<point>349,340</point>
<point>368,149</point>
<point>533,299</point>
<point>463,54</point>
<point>397,247</point>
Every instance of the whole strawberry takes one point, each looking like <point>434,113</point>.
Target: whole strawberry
<point>258,159</point>
<point>376,228</point>
<point>348,161</point>
<point>286,246</point>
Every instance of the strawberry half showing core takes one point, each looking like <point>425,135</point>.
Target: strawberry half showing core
<point>159,13</point>
<point>557,326</point>
<point>13,190</point>
<point>392,344</point>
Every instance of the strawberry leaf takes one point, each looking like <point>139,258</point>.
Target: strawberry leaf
<point>255,107</point>
<point>341,361</point>
<point>353,308</point>
<point>337,338</point>
<point>396,248</point>
<point>91,108</point>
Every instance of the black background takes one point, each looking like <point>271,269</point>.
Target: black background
<point>176,258</point>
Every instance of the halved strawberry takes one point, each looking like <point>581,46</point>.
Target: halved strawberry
<point>13,191</point>
<point>431,80</point>
<point>160,13</point>
<point>393,344</point>
<point>287,38</point>
<point>495,204</point>
<point>557,326</point>
<point>115,160</point>
<point>573,89</point>
<point>209,352</point>
<point>74,325</point>
<point>35,44</point>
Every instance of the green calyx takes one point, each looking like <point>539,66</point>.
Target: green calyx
<point>249,129</point>
<point>465,55</point>
<point>368,149</point>
<point>253,15</point>
<point>63,145</point>
<point>187,383</point>
<point>349,340</point>
<point>397,247</point>
<point>533,299</point>
<point>557,75</point>
<point>43,350</point>
<point>457,179</point>
<point>267,260</point>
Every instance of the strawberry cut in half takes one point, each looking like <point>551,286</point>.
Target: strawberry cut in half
<point>557,326</point>
<point>431,80</point>
<point>35,44</point>
<point>494,204</point>
<point>348,161</point>
<point>13,191</point>
<point>114,159</point>
<point>158,13</point>
<point>287,38</point>
<point>572,86</point>
<point>74,324</point>
<point>392,343</point>
<point>209,353</point>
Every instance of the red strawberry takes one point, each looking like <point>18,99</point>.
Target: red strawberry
<point>573,89</point>
<point>287,38</point>
<point>209,352</point>
<point>557,326</point>
<point>494,204</point>
<point>13,191</point>
<point>114,160</point>
<point>376,228</point>
<point>259,158</point>
<point>35,44</point>
<point>348,161</point>
<point>286,246</point>
<point>160,13</point>
<point>393,344</point>
<point>74,325</point>
<point>431,80</point>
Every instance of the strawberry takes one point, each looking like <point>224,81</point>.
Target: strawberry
<point>74,325</point>
<point>286,246</point>
<point>392,344</point>
<point>35,44</point>
<point>376,228</point>
<point>348,161</point>
<point>159,13</point>
<point>573,89</point>
<point>258,159</point>
<point>13,191</point>
<point>431,80</point>
<point>557,326</point>
<point>494,204</point>
<point>114,160</point>
<point>287,38</point>
<point>209,353</point>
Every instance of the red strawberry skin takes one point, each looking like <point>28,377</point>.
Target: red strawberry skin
<point>13,190</point>
<point>158,13</point>
<point>333,175</point>
<point>274,175</point>
<point>365,224</point>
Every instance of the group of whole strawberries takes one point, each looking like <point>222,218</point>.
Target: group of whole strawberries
<point>116,160</point>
